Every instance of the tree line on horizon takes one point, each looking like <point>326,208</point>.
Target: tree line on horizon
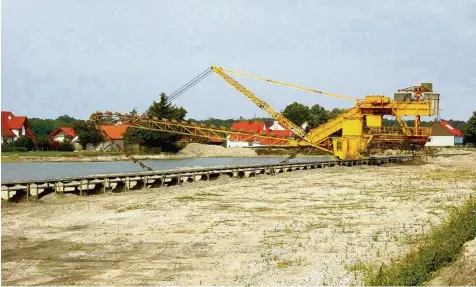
<point>296,112</point>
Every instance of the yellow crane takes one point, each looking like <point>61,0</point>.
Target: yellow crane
<point>346,136</point>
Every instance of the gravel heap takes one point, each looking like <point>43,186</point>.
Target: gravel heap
<point>203,150</point>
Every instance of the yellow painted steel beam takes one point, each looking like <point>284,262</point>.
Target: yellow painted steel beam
<point>290,85</point>
<point>190,129</point>
<point>260,103</point>
<point>184,128</point>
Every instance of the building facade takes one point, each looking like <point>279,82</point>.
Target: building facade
<point>61,133</point>
<point>14,127</point>
<point>264,128</point>
<point>443,134</point>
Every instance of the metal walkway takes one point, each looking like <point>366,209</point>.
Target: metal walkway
<point>96,184</point>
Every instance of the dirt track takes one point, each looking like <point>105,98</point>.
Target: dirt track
<point>306,227</point>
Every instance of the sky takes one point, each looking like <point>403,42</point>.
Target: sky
<point>77,57</point>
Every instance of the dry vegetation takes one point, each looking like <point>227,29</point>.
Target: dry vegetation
<point>316,227</point>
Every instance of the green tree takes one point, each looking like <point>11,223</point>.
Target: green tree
<point>46,126</point>
<point>161,109</point>
<point>297,113</point>
<point>65,119</point>
<point>317,116</point>
<point>42,142</point>
<point>66,145</point>
<point>134,112</point>
<point>87,132</point>
<point>470,130</point>
<point>335,112</point>
<point>24,142</point>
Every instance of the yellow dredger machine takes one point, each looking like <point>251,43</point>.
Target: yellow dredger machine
<point>346,136</point>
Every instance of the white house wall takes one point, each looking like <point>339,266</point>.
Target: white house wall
<point>60,137</point>
<point>441,141</point>
<point>105,146</point>
<point>8,139</point>
<point>241,144</point>
<point>276,127</point>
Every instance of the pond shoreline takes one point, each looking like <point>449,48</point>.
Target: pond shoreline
<point>109,158</point>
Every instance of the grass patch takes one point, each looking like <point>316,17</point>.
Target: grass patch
<point>76,247</point>
<point>439,248</point>
<point>450,174</point>
<point>284,264</point>
<point>197,196</point>
<point>258,209</point>
<point>76,227</point>
<point>130,207</point>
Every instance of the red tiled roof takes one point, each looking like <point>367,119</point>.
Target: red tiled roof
<point>114,132</point>
<point>258,128</point>
<point>451,129</point>
<point>67,130</point>
<point>17,122</point>
<point>247,126</point>
<point>6,132</point>
<point>10,121</point>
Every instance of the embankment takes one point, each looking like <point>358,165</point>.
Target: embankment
<point>192,150</point>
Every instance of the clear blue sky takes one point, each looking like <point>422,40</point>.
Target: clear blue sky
<point>77,57</point>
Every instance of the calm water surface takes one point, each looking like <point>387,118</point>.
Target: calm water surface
<point>43,170</point>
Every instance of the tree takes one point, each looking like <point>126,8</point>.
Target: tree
<point>165,109</point>
<point>65,119</point>
<point>297,113</point>
<point>317,116</point>
<point>42,142</point>
<point>46,126</point>
<point>134,112</point>
<point>335,112</point>
<point>65,146</point>
<point>161,109</point>
<point>470,130</point>
<point>87,132</point>
<point>24,142</point>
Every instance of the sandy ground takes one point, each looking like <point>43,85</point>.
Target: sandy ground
<point>303,227</point>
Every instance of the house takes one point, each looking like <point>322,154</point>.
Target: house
<point>13,127</point>
<point>61,133</point>
<point>264,128</point>
<point>114,133</point>
<point>444,134</point>
<point>114,136</point>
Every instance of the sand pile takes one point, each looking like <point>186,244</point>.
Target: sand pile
<point>203,150</point>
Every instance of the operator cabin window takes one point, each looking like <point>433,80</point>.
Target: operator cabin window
<point>339,145</point>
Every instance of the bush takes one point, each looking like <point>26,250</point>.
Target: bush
<point>441,247</point>
<point>24,142</point>
<point>65,146</point>
<point>8,147</point>
<point>43,142</point>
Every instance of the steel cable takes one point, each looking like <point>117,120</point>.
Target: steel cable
<point>189,85</point>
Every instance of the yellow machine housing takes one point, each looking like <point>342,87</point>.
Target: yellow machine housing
<point>346,136</point>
